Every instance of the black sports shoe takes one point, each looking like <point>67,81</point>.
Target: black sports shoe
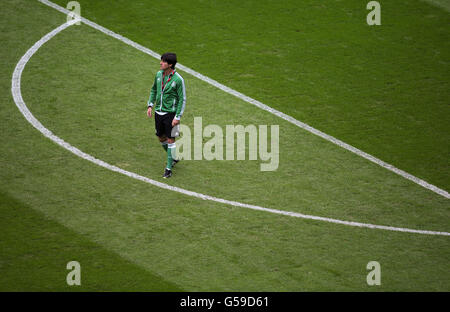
<point>167,173</point>
<point>174,162</point>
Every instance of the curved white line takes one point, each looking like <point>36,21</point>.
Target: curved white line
<point>17,95</point>
<point>260,105</point>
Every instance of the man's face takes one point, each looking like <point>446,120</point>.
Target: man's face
<point>164,65</point>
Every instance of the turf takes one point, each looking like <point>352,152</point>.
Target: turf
<point>36,250</point>
<point>328,181</point>
<point>91,90</point>
<point>382,89</point>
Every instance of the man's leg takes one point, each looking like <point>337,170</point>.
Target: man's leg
<point>167,145</point>
<point>171,148</point>
<point>168,170</point>
<point>163,141</point>
<point>170,152</point>
<point>161,132</point>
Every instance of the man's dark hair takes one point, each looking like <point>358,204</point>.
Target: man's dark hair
<point>169,58</point>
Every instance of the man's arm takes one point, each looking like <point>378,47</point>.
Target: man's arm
<point>181,91</point>
<point>151,99</point>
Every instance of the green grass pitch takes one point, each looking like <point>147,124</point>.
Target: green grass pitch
<point>383,89</point>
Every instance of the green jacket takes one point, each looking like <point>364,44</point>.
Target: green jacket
<point>173,98</point>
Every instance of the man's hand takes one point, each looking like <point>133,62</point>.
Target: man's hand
<point>175,122</point>
<point>149,112</point>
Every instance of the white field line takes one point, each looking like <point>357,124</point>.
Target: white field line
<point>261,105</point>
<point>17,95</point>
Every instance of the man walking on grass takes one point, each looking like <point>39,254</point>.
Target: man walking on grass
<point>168,99</point>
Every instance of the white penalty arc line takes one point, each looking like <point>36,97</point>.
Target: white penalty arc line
<point>262,106</point>
<point>17,95</point>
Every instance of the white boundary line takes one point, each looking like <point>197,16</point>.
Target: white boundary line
<point>261,105</point>
<point>17,95</point>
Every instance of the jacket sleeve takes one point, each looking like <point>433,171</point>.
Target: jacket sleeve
<point>181,91</point>
<point>152,98</point>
